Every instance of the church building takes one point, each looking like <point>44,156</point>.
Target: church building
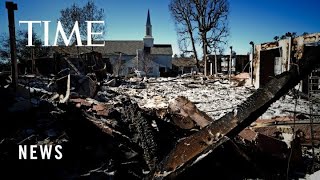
<point>153,59</point>
<point>128,56</point>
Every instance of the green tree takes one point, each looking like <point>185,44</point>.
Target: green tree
<point>305,33</point>
<point>88,12</point>
<point>23,51</point>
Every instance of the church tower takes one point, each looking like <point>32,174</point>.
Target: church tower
<point>148,26</point>
<point>148,39</point>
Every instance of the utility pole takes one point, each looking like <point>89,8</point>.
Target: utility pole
<point>13,51</point>
<point>251,62</point>
<point>230,64</point>
<point>215,64</point>
<point>205,64</point>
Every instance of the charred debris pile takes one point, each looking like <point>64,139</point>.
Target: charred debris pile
<point>105,134</point>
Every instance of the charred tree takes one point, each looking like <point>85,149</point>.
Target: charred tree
<point>206,20</point>
<point>181,12</point>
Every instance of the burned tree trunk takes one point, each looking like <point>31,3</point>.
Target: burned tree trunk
<point>145,136</point>
<point>126,123</point>
<point>198,145</point>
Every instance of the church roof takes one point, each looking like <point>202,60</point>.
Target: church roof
<point>161,49</point>
<point>128,47</point>
<point>110,48</point>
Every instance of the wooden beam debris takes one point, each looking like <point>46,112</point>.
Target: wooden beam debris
<point>186,115</point>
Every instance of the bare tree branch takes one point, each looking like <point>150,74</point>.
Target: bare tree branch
<point>203,21</point>
<point>144,62</point>
<point>181,11</point>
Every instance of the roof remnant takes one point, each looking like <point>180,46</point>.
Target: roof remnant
<point>184,62</point>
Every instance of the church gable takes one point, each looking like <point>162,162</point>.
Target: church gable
<point>161,49</point>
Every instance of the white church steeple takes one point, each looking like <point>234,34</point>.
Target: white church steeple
<point>148,39</point>
<point>148,26</point>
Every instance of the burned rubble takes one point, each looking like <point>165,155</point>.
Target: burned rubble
<point>110,109</point>
<point>110,128</point>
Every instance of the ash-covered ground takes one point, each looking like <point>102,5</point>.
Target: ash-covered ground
<point>214,97</point>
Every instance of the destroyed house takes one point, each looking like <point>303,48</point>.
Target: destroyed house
<point>239,63</point>
<point>61,58</point>
<point>184,65</point>
<point>274,58</point>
